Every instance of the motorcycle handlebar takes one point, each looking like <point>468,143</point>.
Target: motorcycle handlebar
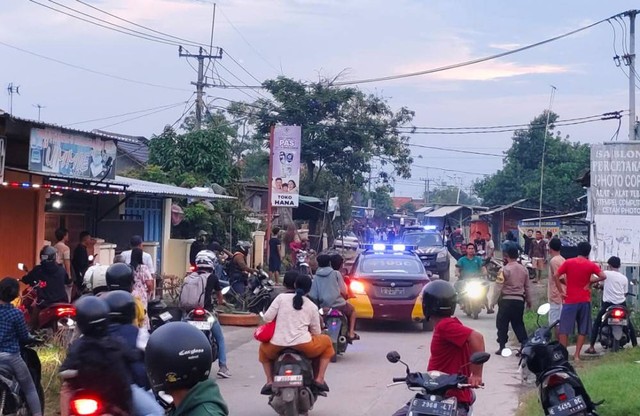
<point>399,379</point>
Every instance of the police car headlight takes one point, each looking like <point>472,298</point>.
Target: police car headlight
<point>442,255</point>
<point>475,290</point>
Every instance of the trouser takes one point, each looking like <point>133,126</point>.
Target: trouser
<point>21,371</point>
<point>144,404</point>
<point>595,329</point>
<point>510,311</point>
<point>463,410</point>
<point>216,330</point>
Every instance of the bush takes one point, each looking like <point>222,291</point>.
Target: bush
<point>51,358</point>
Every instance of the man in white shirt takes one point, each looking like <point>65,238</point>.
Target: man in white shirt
<point>136,242</point>
<point>616,287</point>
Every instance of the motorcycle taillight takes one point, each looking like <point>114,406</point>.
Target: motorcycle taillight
<point>618,313</point>
<point>65,311</point>
<point>85,406</point>
<point>554,380</point>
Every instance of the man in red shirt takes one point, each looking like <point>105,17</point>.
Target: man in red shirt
<point>578,276</point>
<point>452,343</point>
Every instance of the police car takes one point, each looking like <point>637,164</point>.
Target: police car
<point>386,282</point>
<point>430,248</point>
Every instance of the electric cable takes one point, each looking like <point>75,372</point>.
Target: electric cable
<point>445,149</point>
<point>138,117</point>
<point>123,114</point>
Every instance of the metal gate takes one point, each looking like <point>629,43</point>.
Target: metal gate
<point>150,211</point>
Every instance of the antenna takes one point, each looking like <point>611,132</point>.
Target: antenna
<point>39,107</point>
<point>12,89</point>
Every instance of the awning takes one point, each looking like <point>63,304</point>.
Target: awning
<point>444,211</point>
<point>423,210</point>
<point>138,186</point>
<point>578,215</point>
<point>505,207</point>
<point>310,200</point>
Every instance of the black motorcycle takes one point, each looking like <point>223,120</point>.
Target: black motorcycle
<point>336,325</point>
<point>204,320</point>
<point>433,387</point>
<point>614,328</point>
<point>258,294</point>
<point>560,389</point>
<point>160,313</point>
<point>12,398</point>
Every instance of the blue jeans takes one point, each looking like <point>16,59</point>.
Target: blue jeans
<point>222,349</point>
<point>21,371</point>
<point>144,404</point>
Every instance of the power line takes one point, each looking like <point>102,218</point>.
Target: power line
<point>93,71</point>
<point>141,116</point>
<point>242,67</point>
<point>451,170</point>
<point>446,149</point>
<point>473,61</point>
<point>123,114</point>
<point>240,80</point>
<point>186,110</point>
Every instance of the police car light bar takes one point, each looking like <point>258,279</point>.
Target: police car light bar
<point>388,248</point>
<point>430,227</point>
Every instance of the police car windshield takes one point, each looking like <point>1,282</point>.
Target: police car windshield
<point>422,239</point>
<point>393,264</point>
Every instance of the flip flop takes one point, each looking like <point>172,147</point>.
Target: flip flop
<point>266,390</point>
<point>321,386</point>
<point>355,338</point>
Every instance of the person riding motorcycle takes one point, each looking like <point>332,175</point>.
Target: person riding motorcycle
<point>452,343</point>
<point>197,246</point>
<point>50,280</point>
<point>471,266</point>
<point>120,277</point>
<point>239,270</point>
<point>178,360</point>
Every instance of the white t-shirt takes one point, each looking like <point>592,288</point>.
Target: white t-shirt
<point>616,286</point>
<point>146,260</point>
<point>293,326</point>
<point>96,276</point>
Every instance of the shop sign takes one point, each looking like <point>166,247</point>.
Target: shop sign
<point>285,162</point>
<point>55,152</point>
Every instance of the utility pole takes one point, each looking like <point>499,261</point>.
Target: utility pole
<point>39,107</point>
<point>200,84</point>
<point>12,89</point>
<point>631,59</point>
<point>427,183</point>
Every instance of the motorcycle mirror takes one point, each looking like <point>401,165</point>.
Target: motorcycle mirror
<point>479,358</point>
<point>21,266</point>
<point>506,352</point>
<point>393,356</point>
<point>91,258</point>
<point>544,309</point>
<point>225,290</point>
<point>321,312</point>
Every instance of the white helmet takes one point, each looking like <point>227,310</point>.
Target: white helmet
<point>206,259</point>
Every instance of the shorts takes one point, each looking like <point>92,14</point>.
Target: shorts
<point>347,309</point>
<point>538,263</point>
<point>274,265</point>
<point>579,313</point>
<point>320,346</point>
<point>555,312</point>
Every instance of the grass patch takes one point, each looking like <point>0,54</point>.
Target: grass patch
<point>51,358</point>
<point>611,378</point>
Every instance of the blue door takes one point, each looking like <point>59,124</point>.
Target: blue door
<point>149,210</point>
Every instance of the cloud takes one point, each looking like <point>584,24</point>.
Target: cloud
<point>505,46</point>
<point>496,70</point>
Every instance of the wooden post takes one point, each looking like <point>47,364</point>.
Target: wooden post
<point>270,189</point>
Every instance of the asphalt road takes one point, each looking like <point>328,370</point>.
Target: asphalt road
<point>358,380</point>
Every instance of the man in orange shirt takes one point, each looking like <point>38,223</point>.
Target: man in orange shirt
<point>555,289</point>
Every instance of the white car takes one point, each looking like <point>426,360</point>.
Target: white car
<point>346,240</point>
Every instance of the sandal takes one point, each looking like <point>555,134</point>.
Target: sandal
<point>356,337</point>
<point>590,350</point>
<point>321,386</point>
<point>266,390</point>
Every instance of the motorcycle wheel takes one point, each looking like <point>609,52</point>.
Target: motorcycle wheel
<point>616,345</point>
<point>291,409</point>
<point>475,314</point>
<point>427,326</point>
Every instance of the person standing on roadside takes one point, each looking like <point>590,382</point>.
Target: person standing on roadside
<point>480,243</point>
<point>81,260</point>
<point>275,261</point>
<point>491,247</point>
<point>576,307</point>
<point>63,257</point>
<point>528,239</point>
<point>136,242</point>
<point>538,254</point>
<point>555,289</point>
<point>614,293</point>
<point>511,293</point>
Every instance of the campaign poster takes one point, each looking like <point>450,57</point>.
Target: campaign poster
<point>59,153</point>
<point>285,174</point>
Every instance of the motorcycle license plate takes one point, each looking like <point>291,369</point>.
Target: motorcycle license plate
<point>166,316</point>
<point>392,291</point>
<point>569,407</point>
<point>432,407</point>
<point>616,321</point>
<point>201,325</point>
<point>287,381</point>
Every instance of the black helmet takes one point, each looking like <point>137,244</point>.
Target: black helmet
<point>92,316</point>
<point>243,247</point>
<point>120,277</point>
<point>178,356</point>
<point>122,306</point>
<point>48,254</point>
<point>439,298</point>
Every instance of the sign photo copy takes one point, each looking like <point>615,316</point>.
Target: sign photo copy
<point>285,174</point>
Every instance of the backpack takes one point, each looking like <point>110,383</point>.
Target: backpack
<point>192,291</point>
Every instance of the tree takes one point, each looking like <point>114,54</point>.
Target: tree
<point>520,175</point>
<point>343,130</point>
<point>449,196</point>
<point>382,202</point>
<point>409,208</point>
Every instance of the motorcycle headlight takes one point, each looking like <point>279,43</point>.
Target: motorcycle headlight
<point>211,319</point>
<point>442,256</point>
<point>475,290</point>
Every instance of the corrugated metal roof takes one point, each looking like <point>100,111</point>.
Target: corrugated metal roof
<point>444,211</point>
<point>504,207</point>
<point>159,189</point>
<point>553,217</point>
<point>423,210</point>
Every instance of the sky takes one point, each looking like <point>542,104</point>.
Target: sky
<point>308,39</point>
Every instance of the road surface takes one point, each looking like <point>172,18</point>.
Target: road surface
<point>358,380</point>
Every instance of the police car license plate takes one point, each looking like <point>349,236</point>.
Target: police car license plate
<point>201,325</point>
<point>569,407</point>
<point>166,316</point>
<point>432,407</point>
<point>616,321</point>
<point>392,291</point>
<point>282,381</point>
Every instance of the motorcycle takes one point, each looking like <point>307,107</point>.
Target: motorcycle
<point>160,313</point>
<point>433,386</point>
<point>293,391</point>
<point>302,262</point>
<point>203,320</point>
<point>614,329</point>
<point>493,266</point>
<point>12,398</point>
<point>560,389</point>
<point>473,295</point>
<point>526,261</point>
<point>337,327</point>
<point>56,319</point>
<point>258,294</point>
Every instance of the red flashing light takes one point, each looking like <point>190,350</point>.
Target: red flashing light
<point>357,287</point>
<point>562,397</point>
<point>85,406</point>
<point>193,268</point>
<point>618,313</point>
<point>199,311</point>
<point>65,310</point>
<point>288,372</point>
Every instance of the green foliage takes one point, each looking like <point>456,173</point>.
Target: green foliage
<point>409,208</point>
<point>520,175</point>
<point>449,195</point>
<point>382,202</point>
<point>255,166</point>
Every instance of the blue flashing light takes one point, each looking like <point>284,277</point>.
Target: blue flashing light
<point>430,227</point>
<point>399,247</point>
<point>388,248</point>
<point>379,247</point>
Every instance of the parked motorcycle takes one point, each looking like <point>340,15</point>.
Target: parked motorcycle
<point>526,261</point>
<point>337,327</point>
<point>614,328</point>
<point>203,320</point>
<point>473,295</point>
<point>258,294</point>
<point>433,386</point>
<point>160,313</point>
<point>12,398</point>
<point>560,389</point>
<point>293,391</point>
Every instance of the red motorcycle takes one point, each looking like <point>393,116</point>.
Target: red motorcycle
<point>57,318</point>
